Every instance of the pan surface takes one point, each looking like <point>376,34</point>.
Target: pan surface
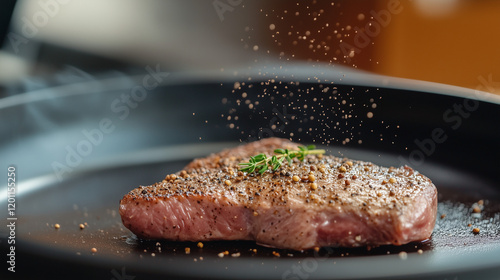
<point>81,147</point>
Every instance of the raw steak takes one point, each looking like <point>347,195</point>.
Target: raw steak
<point>350,204</point>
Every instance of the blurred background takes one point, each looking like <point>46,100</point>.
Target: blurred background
<point>454,42</point>
<point>81,63</point>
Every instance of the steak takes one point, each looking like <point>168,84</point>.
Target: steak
<point>333,202</point>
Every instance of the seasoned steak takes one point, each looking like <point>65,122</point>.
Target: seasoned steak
<point>321,201</point>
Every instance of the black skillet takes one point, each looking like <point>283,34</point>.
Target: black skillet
<point>101,145</point>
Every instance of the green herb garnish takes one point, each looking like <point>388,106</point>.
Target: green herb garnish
<point>260,163</point>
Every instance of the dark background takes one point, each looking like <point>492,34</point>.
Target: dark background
<point>5,16</point>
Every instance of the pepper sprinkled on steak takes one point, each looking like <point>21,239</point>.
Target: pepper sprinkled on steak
<point>320,201</point>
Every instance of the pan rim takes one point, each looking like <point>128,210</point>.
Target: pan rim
<point>300,72</point>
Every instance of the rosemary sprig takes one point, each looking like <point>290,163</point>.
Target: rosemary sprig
<point>261,163</point>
